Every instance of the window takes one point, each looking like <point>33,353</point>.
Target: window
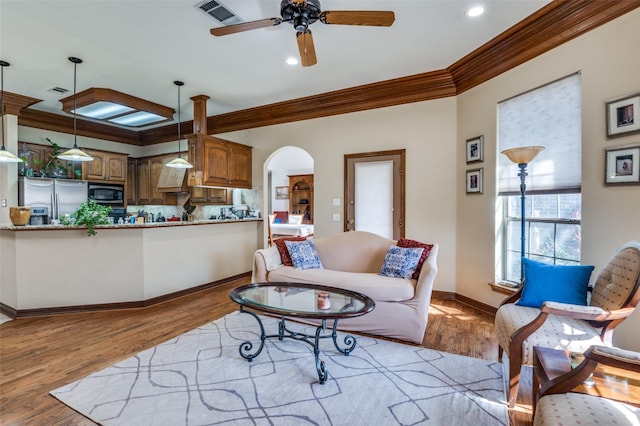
<point>549,116</point>
<point>552,226</point>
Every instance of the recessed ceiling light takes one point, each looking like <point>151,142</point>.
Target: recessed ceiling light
<point>475,11</point>
<point>292,61</point>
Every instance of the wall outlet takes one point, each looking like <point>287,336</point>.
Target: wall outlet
<point>4,202</point>
<point>335,202</point>
<point>336,217</point>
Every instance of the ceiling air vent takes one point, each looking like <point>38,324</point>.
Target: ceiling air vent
<point>58,90</point>
<point>218,12</point>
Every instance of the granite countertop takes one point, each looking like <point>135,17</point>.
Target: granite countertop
<point>126,226</point>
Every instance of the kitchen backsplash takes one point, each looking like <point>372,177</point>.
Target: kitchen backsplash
<point>252,198</point>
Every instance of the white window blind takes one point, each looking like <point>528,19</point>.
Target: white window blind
<point>374,197</point>
<point>549,116</point>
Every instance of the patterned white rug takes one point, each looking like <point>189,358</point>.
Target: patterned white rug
<point>199,378</point>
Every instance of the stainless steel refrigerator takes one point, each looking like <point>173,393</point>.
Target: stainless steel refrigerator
<point>61,196</point>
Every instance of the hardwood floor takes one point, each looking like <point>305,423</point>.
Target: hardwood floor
<point>42,353</point>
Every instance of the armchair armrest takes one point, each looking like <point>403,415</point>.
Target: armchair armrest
<point>513,298</point>
<point>589,313</point>
<point>593,356</point>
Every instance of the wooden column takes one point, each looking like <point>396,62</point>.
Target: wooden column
<point>200,114</point>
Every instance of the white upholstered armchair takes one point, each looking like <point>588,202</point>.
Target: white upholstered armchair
<point>614,297</point>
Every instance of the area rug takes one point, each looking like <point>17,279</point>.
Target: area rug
<point>199,378</point>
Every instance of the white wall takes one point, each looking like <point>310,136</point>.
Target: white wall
<point>427,130</point>
<point>610,215</point>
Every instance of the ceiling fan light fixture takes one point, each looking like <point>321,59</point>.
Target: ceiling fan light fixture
<point>292,61</point>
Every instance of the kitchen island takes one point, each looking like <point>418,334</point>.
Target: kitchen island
<point>57,268</point>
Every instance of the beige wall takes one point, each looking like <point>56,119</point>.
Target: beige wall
<point>427,130</point>
<point>611,215</point>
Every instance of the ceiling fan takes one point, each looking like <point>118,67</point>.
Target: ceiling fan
<point>301,14</point>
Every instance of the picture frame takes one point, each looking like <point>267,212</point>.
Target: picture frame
<point>475,149</point>
<point>623,116</point>
<point>282,192</point>
<point>622,166</point>
<point>474,181</point>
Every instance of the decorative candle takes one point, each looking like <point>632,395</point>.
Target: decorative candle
<point>324,300</point>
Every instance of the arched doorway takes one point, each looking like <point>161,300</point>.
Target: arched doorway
<point>278,168</point>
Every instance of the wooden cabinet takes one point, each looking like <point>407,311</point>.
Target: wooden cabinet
<point>148,170</point>
<point>131,185</point>
<point>301,196</point>
<point>221,196</point>
<point>37,159</point>
<point>105,166</point>
<point>218,162</point>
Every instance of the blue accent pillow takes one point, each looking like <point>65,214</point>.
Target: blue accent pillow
<point>401,262</point>
<point>554,283</point>
<point>303,254</point>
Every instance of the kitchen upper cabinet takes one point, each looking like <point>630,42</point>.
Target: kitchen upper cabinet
<point>200,195</point>
<point>105,166</point>
<point>147,175</point>
<point>218,162</point>
<point>131,185</point>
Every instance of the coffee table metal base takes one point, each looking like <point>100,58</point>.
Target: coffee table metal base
<point>246,348</point>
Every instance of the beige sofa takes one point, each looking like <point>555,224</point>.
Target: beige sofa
<point>352,260</point>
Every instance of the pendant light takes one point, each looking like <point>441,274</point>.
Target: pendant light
<point>5,156</point>
<point>75,153</point>
<point>179,162</point>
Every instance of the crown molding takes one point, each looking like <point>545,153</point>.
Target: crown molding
<point>554,24</point>
<point>64,124</point>
<point>14,103</point>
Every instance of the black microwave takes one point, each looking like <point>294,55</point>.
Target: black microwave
<point>107,194</point>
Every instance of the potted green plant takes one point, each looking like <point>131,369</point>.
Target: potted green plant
<point>88,214</point>
<point>56,167</point>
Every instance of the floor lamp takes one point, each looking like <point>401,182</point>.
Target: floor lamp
<point>522,156</point>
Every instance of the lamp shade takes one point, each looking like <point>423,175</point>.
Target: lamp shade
<point>75,154</point>
<point>179,163</point>
<point>523,154</point>
<point>7,157</point>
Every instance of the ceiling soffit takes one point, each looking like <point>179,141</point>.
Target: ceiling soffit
<point>551,26</point>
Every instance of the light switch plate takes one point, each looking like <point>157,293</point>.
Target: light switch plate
<point>336,202</point>
<point>336,217</point>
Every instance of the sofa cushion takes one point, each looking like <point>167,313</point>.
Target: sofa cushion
<point>554,283</point>
<point>303,254</point>
<point>354,251</point>
<point>405,242</point>
<point>284,251</point>
<point>377,287</point>
<point>401,262</point>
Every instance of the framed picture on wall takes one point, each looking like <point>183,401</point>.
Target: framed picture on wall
<point>282,192</point>
<point>474,181</point>
<point>475,149</point>
<point>623,116</point>
<point>622,166</point>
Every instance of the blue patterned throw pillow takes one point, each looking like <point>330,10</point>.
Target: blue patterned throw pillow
<point>401,262</point>
<point>303,254</point>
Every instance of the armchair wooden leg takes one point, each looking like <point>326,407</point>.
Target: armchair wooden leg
<point>514,384</point>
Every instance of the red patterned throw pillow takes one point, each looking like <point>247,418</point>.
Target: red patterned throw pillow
<point>407,243</point>
<point>284,252</point>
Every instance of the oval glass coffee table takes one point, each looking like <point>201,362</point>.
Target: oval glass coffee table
<point>304,301</point>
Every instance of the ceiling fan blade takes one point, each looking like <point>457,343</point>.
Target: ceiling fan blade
<point>364,17</point>
<point>307,51</point>
<point>246,26</point>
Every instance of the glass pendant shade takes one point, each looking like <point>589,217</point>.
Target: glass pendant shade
<point>75,153</point>
<point>179,162</point>
<point>5,156</point>
<point>524,154</point>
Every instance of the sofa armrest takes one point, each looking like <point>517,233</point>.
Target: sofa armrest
<point>265,260</point>
<point>424,284</point>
